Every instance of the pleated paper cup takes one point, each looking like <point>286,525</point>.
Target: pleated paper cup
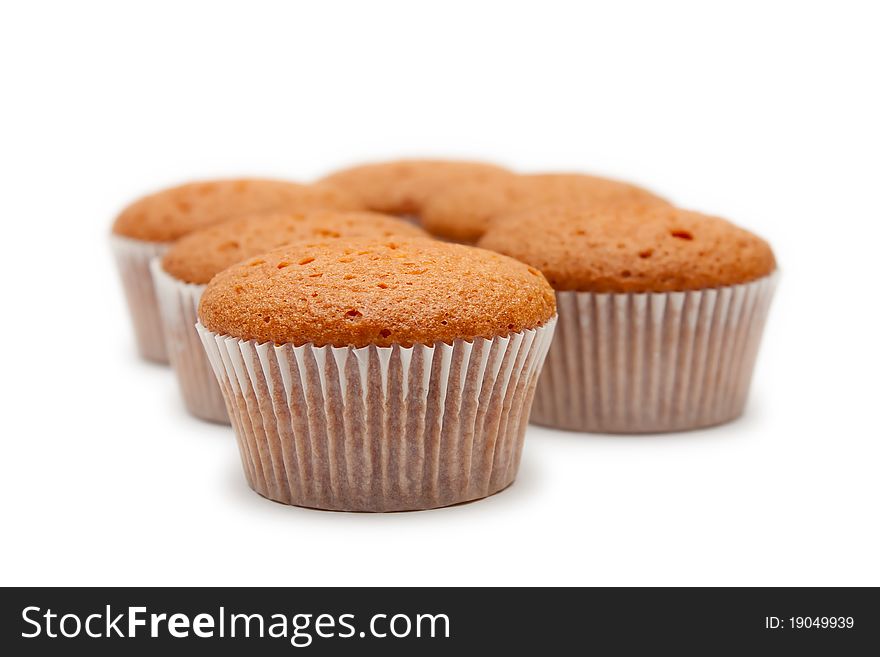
<point>179,307</point>
<point>133,262</point>
<point>652,362</point>
<point>380,428</point>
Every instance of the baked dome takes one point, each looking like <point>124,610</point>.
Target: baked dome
<point>172,213</point>
<point>362,292</point>
<point>462,213</point>
<point>197,257</point>
<point>402,187</point>
<point>630,248</point>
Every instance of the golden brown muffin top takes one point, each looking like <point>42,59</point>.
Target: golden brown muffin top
<point>462,213</point>
<point>401,187</point>
<point>197,257</point>
<point>172,213</point>
<point>364,291</point>
<point>629,248</point>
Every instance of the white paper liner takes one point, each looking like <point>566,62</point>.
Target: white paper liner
<point>654,362</point>
<point>133,262</point>
<point>179,306</point>
<point>380,428</point>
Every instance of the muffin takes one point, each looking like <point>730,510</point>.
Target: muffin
<point>661,312</point>
<point>378,375</point>
<point>462,213</point>
<point>145,229</point>
<point>402,187</point>
<point>188,265</point>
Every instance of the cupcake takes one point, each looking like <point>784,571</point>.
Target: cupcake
<point>661,312</point>
<point>462,213</point>
<point>190,263</point>
<point>146,228</point>
<point>402,187</point>
<point>378,375</point>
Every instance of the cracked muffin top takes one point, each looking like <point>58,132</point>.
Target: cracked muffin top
<point>197,257</point>
<point>631,248</point>
<point>361,292</point>
<point>169,214</point>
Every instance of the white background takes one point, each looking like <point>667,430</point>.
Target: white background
<point>764,112</point>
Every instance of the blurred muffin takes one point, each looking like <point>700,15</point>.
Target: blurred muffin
<point>661,312</point>
<point>145,229</point>
<point>462,213</point>
<point>188,265</point>
<point>402,187</point>
<point>381,375</point>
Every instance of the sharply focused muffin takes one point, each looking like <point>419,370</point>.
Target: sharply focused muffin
<point>661,312</point>
<point>192,261</point>
<point>402,187</point>
<point>462,213</point>
<point>145,229</point>
<point>384,374</point>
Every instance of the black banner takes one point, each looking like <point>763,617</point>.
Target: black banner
<point>115,621</point>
